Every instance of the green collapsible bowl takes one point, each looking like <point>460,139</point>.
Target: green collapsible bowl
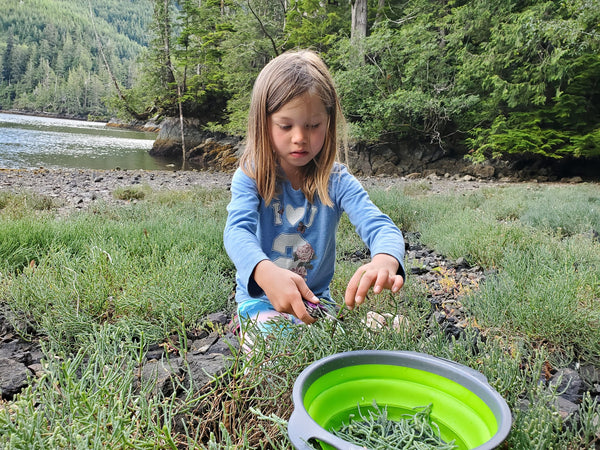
<point>463,405</point>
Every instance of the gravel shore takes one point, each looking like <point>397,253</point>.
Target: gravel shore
<point>78,188</point>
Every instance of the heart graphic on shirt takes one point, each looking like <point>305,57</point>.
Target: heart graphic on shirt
<point>293,215</point>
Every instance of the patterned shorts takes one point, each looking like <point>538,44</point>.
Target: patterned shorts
<point>265,319</point>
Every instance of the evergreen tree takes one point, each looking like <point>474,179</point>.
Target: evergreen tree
<point>54,36</point>
<point>7,60</point>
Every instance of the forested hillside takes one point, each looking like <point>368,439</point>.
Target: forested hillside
<point>49,53</point>
<point>485,77</point>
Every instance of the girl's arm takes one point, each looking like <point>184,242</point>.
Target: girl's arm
<point>382,237</point>
<point>239,236</point>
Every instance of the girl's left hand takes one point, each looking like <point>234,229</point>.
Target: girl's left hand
<point>380,274</point>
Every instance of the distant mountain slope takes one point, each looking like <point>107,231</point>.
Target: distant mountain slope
<point>49,57</point>
<point>29,20</point>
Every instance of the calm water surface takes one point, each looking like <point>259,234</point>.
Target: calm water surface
<point>28,142</point>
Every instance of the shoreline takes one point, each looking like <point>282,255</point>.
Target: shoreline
<point>78,188</point>
<point>149,126</point>
<point>51,115</point>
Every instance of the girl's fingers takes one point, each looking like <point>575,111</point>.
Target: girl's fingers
<point>363,280</point>
<point>398,283</point>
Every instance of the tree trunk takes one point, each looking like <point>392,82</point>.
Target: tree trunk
<point>359,20</point>
<point>380,11</point>
<point>171,78</point>
<point>359,29</point>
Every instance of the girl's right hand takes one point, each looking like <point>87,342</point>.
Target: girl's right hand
<point>284,289</point>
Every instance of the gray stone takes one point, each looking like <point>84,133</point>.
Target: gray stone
<point>566,408</point>
<point>161,374</point>
<point>200,346</point>
<point>224,345</point>
<point>220,318</point>
<point>204,368</point>
<point>461,262</point>
<point>7,349</point>
<point>590,374</point>
<point>483,170</point>
<point>569,384</point>
<point>13,377</point>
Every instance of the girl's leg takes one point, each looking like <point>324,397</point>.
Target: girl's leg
<point>258,316</point>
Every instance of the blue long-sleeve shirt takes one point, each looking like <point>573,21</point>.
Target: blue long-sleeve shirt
<point>298,235</point>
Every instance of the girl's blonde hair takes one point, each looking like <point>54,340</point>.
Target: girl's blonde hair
<point>284,78</point>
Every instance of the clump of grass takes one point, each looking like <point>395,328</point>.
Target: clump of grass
<point>405,210</point>
<point>17,205</point>
<point>92,399</point>
<point>545,277</point>
<point>131,192</point>
<point>417,188</point>
<point>149,263</point>
<point>563,211</point>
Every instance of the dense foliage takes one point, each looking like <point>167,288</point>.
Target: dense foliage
<point>49,53</point>
<point>487,77</point>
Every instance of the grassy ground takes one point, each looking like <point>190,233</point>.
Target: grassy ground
<point>103,284</point>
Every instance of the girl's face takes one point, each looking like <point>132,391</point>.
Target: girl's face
<point>297,132</point>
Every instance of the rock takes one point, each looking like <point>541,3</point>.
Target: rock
<point>220,318</point>
<point>13,377</point>
<point>161,374</point>
<point>168,141</point>
<point>376,321</point>
<point>566,408</point>
<point>203,368</point>
<point>222,155</point>
<point>461,263</point>
<point>37,369</point>
<point>400,158</point>
<point>155,352</point>
<point>224,345</point>
<point>569,384</point>
<point>201,346</point>
<point>572,180</point>
<point>590,375</point>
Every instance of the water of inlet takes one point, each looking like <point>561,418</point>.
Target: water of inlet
<point>29,142</point>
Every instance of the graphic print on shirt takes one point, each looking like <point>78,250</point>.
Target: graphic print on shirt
<point>295,252</point>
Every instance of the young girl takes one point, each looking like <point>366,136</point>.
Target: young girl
<point>288,195</point>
